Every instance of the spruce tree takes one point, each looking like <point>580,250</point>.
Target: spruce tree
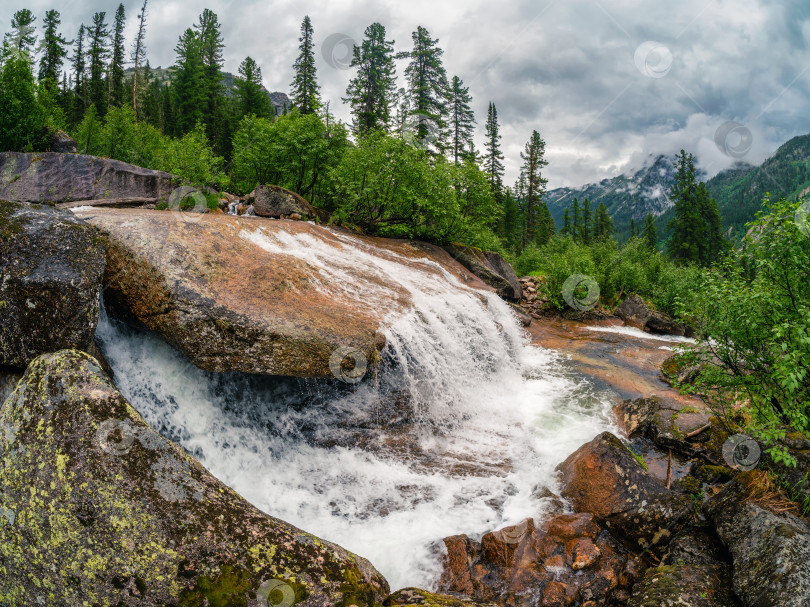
<point>116,98</point>
<point>511,220</point>
<point>462,119</point>
<point>211,45</point>
<point>252,97</point>
<point>138,54</point>
<point>373,90</point>
<point>603,223</point>
<point>576,223</point>
<point>428,92</point>
<point>98,53</point>
<point>80,101</point>
<point>649,233</point>
<point>23,36</point>
<point>566,229</point>
<point>188,87</point>
<point>54,49</point>
<point>536,215</point>
<point>633,232</point>
<point>686,226</point>
<point>305,88</point>
<point>493,157</point>
<point>587,227</point>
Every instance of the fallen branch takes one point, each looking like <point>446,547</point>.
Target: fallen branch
<point>699,430</point>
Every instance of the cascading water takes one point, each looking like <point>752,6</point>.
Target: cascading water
<point>457,433</point>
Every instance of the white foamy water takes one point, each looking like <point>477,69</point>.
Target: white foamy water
<point>458,432</point>
<point>633,332</point>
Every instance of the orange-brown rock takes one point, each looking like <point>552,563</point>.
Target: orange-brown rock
<point>261,296</point>
<point>603,477</point>
<point>566,560</point>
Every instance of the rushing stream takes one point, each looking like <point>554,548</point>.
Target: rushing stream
<point>458,433</point>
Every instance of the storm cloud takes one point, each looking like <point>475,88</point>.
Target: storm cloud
<point>607,84</point>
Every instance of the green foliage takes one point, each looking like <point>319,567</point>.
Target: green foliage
<point>462,119</point>
<point>252,98</point>
<point>756,336</point>
<point>294,151</point>
<point>390,188</point>
<point>119,136</point>
<point>617,270</point>
<point>54,49</point>
<point>22,118</point>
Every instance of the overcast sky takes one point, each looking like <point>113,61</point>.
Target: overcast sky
<point>606,83</point>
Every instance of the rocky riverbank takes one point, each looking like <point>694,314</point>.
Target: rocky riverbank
<point>97,508</point>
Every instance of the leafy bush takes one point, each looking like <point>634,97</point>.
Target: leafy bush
<point>755,342</point>
<point>119,136</point>
<point>294,151</point>
<point>22,118</point>
<point>388,187</point>
<point>619,271</point>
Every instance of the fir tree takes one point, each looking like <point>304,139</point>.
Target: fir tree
<point>576,223</point>
<point>427,92</point>
<point>686,226</point>
<point>586,228</point>
<point>252,97</point>
<point>79,72</point>
<point>713,244</point>
<point>188,93</point>
<point>372,92</point>
<point>462,119</point>
<point>566,229</point>
<point>211,45</point>
<point>23,36</point>
<point>493,157</point>
<point>98,53</point>
<point>633,232</point>
<point>602,224</point>
<point>54,49</point>
<point>138,54</point>
<point>511,220</point>
<point>649,233</point>
<point>116,98</point>
<point>305,88</point>
<point>536,215</point>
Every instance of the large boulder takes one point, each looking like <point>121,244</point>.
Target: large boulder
<point>489,267</point>
<point>51,264</point>
<point>98,509</point>
<point>275,201</point>
<point>770,550</point>
<point>603,477</point>
<point>71,179</point>
<point>635,312</point>
<point>63,143</point>
<point>258,296</point>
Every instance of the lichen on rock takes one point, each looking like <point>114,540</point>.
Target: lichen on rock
<point>98,509</point>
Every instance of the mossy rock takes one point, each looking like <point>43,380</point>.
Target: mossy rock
<point>695,586</point>
<point>98,509</point>
<point>51,267</point>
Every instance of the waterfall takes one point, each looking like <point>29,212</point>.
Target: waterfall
<point>457,432</point>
